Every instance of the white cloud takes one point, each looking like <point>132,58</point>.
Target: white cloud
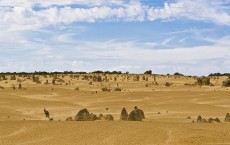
<point>21,15</point>
<point>31,3</point>
<point>114,55</point>
<point>201,10</point>
<point>26,18</point>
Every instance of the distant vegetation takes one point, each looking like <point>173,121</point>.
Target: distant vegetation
<point>148,72</point>
<point>219,74</point>
<point>178,74</point>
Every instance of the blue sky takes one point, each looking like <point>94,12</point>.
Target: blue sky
<point>166,36</point>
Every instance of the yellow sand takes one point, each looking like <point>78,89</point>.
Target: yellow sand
<point>22,121</point>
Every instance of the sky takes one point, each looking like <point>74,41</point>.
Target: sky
<point>166,36</point>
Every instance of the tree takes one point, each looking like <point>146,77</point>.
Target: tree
<point>178,74</point>
<point>148,72</point>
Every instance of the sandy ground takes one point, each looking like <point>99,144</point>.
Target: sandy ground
<point>22,121</point>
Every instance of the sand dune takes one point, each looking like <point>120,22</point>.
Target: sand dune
<point>22,120</point>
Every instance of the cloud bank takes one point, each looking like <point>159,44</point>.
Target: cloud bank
<point>23,15</point>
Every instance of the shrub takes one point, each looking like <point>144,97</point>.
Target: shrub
<point>148,72</point>
<point>178,74</point>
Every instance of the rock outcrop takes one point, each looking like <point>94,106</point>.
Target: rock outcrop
<point>136,115</point>
<point>109,117</point>
<point>211,120</point>
<point>199,119</point>
<point>84,115</point>
<point>124,114</point>
<point>69,119</point>
<point>227,118</point>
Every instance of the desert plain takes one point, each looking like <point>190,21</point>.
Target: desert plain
<point>170,111</point>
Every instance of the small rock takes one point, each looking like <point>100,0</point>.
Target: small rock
<point>109,117</point>
<point>69,119</point>
<point>188,117</point>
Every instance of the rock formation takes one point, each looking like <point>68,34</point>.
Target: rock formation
<point>124,114</point>
<point>69,119</point>
<point>227,118</point>
<point>211,120</point>
<point>199,119</point>
<point>84,115</point>
<point>136,115</point>
<point>109,117</point>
